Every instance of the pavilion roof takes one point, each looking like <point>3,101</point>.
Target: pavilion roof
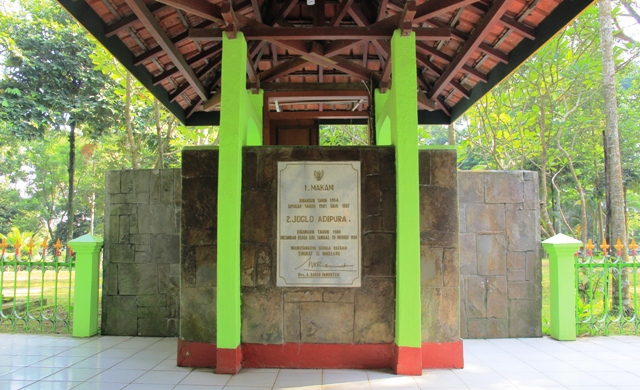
<point>322,59</point>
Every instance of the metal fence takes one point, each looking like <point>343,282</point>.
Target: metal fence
<point>607,291</point>
<point>37,288</point>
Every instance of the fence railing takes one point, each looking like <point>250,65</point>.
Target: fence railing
<point>607,291</point>
<point>592,295</point>
<point>37,288</point>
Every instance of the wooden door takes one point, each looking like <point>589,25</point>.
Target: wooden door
<point>293,132</point>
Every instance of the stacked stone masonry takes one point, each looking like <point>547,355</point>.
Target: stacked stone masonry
<point>439,260</point>
<point>500,254</point>
<point>498,292</point>
<point>142,253</point>
<point>273,315</point>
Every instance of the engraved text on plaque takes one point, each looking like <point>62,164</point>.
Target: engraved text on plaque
<point>319,224</point>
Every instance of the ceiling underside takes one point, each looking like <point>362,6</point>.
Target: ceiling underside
<point>322,60</point>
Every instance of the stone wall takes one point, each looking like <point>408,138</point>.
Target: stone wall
<point>199,244</point>
<point>439,260</point>
<point>142,253</point>
<point>500,254</point>
<point>273,315</point>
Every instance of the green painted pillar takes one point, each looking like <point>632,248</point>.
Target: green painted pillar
<point>401,107</point>
<point>562,299</point>
<point>85,291</point>
<point>240,124</point>
<point>383,131</point>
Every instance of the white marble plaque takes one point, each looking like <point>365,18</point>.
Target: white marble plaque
<point>319,224</point>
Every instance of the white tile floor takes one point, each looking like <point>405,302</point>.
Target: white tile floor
<point>52,362</point>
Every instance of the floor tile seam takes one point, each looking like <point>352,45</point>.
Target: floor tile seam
<point>502,374</point>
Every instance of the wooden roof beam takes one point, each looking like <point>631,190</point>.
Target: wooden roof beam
<point>382,10</point>
<point>283,69</point>
<point>275,16</point>
<point>200,8</point>
<point>213,102</point>
<point>428,50</point>
<point>178,39</point>
<point>425,103</point>
<point>385,77</point>
<point>318,14</point>
<point>320,33</point>
<point>254,81</point>
<point>256,10</point>
<point>153,27</point>
<point>341,12</point>
<point>129,21</point>
<point>424,11</point>
<point>232,23</point>
<point>318,115</point>
<point>382,49</point>
<point>495,12</point>
<point>406,18</point>
<point>288,88</point>
<point>210,52</point>
<point>493,53</point>
<point>480,9</point>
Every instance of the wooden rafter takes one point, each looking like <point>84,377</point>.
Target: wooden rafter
<point>493,53</point>
<point>318,14</point>
<point>341,12</point>
<point>480,9</point>
<point>153,27</point>
<point>495,12</point>
<point>254,81</point>
<point>406,18</point>
<point>129,21</point>
<point>256,10</point>
<point>200,8</point>
<point>318,115</point>
<point>177,40</point>
<point>319,33</point>
<point>425,103</point>
<point>382,9</point>
<point>210,52</point>
<point>385,77</point>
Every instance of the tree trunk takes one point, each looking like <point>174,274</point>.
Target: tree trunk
<point>451,132</point>
<point>617,222</point>
<point>127,118</point>
<point>156,117</point>
<point>544,191</point>
<point>72,173</point>
<point>584,230</point>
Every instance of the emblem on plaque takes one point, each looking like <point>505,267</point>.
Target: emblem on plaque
<point>318,175</point>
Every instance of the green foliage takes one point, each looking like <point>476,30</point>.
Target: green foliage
<point>551,105</point>
<point>48,80</point>
<point>343,135</point>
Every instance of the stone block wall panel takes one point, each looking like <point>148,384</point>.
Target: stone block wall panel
<point>500,254</point>
<point>199,241</point>
<point>142,253</point>
<point>318,315</point>
<point>439,246</point>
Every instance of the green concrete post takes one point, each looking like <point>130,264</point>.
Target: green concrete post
<point>240,125</point>
<point>232,138</point>
<point>404,135</point>
<point>562,299</point>
<point>85,292</point>
<point>383,131</point>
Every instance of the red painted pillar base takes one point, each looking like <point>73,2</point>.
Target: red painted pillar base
<point>407,361</point>
<point>442,355</point>
<point>229,361</point>
<point>195,354</point>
